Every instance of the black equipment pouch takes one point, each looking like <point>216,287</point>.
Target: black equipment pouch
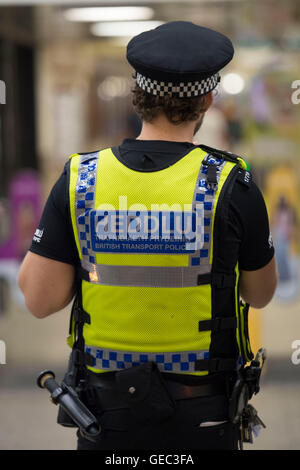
<point>146,393</point>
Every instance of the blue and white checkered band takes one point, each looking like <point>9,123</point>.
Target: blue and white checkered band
<point>84,202</point>
<point>110,360</point>
<point>204,199</point>
<point>182,90</point>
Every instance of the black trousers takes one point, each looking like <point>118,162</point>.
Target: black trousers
<point>123,430</point>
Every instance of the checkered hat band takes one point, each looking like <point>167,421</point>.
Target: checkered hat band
<point>182,90</point>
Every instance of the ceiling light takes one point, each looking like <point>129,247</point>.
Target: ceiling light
<point>114,87</point>
<point>108,13</point>
<point>127,28</point>
<point>233,83</point>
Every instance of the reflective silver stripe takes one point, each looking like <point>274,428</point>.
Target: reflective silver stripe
<point>182,361</point>
<point>144,276</point>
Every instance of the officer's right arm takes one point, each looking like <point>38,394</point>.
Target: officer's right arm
<point>258,287</point>
<point>257,265</point>
<point>47,274</point>
<point>48,285</point>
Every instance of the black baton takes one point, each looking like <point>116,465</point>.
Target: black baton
<point>68,399</point>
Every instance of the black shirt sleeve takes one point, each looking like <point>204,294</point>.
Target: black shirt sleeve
<point>250,220</point>
<point>54,236</point>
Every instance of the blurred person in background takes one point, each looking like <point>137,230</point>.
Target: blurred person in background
<point>157,238</point>
<point>214,129</point>
<point>283,225</point>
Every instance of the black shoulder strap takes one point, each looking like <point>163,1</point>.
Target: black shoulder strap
<point>80,317</point>
<point>244,175</point>
<point>89,153</point>
<point>221,153</point>
<point>223,349</point>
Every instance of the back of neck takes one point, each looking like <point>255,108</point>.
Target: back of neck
<point>163,130</point>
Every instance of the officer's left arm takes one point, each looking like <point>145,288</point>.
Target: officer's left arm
<point>48,285</point>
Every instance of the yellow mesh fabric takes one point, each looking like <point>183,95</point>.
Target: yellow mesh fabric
<point>147,319</point>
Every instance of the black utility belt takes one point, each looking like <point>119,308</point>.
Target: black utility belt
<point>145,390</point>
<point>111,397</point>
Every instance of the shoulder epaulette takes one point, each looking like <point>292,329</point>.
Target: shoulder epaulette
<point>87,156</point>
<point>227,156</point>
<point>89,153</point>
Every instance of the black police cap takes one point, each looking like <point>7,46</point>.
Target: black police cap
<point>179,58</point>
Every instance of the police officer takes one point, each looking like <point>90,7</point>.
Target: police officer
<point>158,238</point>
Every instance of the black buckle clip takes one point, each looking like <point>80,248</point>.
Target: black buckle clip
<point>81,316</point>
<point>212,181</point>
<point>82,358</point>
<point>222,280</point>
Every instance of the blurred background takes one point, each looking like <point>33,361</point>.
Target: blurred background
<point>65,88</point>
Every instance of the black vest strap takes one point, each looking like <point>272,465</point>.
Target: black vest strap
<point>220,153</point>
<point>212,182</point>
<point>217,324</point>
<point>215,365</point>
<point>223,280</point>
<point>219,280</point>
<point>82,358</point>
<point>203,279</point>
<point>80,316</point>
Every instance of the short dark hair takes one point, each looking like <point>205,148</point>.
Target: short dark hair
<point>177,110</point>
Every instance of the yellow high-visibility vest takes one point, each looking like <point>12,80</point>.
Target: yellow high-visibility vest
<point>146,242</point>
